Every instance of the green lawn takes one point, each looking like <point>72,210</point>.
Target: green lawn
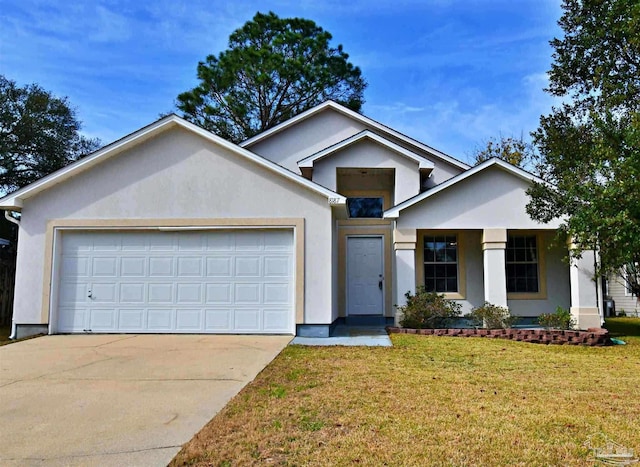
<point>430,401</point>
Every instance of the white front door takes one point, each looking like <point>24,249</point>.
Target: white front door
<point>365,282</point>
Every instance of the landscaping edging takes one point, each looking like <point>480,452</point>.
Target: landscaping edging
<point>591,337</point>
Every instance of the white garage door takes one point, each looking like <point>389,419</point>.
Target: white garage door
<point>220,281</point>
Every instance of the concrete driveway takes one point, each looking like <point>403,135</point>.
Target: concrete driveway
<point>118,399</point>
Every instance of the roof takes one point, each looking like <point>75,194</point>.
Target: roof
<point>14,201</point>
<point>360,118</point>
<point>394,212</point>
<point>366,134</point>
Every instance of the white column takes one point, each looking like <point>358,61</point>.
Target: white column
<point>494,242</point>
<point>404,246</point>
<point>584,295</point>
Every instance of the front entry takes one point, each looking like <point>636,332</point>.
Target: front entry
<point>365,280</point>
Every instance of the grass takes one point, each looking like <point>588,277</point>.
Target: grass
<point>430,401</point>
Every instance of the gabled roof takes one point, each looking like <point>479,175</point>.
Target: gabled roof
<point>358,117</point>
<point>366,134</point>
<point>14,201</point>
<point>394,212</point>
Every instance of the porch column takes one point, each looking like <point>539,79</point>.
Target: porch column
<point>404,246</point>
<point>494,243</point>
<point>584,295</point>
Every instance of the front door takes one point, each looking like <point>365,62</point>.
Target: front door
<point>365,282</point>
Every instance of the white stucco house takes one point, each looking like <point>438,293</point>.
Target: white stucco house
<point>325,217</point>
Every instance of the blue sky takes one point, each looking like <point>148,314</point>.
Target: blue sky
<point>450,73</point>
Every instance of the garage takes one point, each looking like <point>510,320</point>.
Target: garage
<point>175,281</point>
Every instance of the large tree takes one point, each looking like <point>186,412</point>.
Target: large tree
<point>590,145</point>
<point>273,69</point>
<point>515,151</point>
<point>39,133</point>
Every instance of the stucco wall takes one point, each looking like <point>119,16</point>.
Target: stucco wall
<point>489,199</point>
<point>306,137</point>
<point>176,175</point>
<point>368,154</point>
<point>325,129</point>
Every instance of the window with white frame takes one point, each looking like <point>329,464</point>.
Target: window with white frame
<point>522,264</point>
<point>441,263</point>
<point>628,279</point>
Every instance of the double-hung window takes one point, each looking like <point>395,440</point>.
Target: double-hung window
<point>522,264</point>
<point>441,263</point>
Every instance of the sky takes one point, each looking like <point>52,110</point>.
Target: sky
<point>449,73</point>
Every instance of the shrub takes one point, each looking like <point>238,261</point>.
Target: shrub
<point>428,310</point>
<point>561,319</point>
<point>491,317</point>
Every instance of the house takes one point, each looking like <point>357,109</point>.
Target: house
<point>618,290</point>
<point>329,215</point>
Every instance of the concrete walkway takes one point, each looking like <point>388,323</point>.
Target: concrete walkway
<point>368,336</point>
<point>118,399</point>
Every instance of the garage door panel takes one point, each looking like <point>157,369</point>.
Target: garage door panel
<point>276,320</point>
<point>248,241</point>
<point>188,293</point>
<point>160,282</point>
<point>131,319</point>
<point>134,266</point>
<point>73,292</point>
<point>218,320</point>
<point>219,294</point>
<point>75,266</point>
<point>132,293</point>
<point>247,320</point>
<point>161,266</point>
<point>277,293</point>
<point>247,293</point>
<point>219,266</point>
<point>72,319</point>
<point>276,266</point>
<point>160,319</point>
<point>190,266</point>
<point>189,319</point>
<point>105,266</point>
<point>161,293</point>
<point>247,266</point>
<point>103,292</point>
<point>103,319</point>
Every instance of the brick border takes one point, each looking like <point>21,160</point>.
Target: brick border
<point>592,337</point>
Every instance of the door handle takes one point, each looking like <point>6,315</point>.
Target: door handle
<point>380,282</point>
<point>90,295</point>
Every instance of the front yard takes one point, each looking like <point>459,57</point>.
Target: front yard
<point>430,401</point>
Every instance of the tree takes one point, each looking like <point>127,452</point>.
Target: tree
<point>515,151</point>
<point>39,133</point>
<point>274,68</point>
<point>590,146</point>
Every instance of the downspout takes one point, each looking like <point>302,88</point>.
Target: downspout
<point>12,219</point>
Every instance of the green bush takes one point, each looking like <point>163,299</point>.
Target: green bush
<point>491,317</point>
<point>428,310</point>
<point>561,319</point>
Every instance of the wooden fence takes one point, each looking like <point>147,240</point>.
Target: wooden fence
<point>7,282</point>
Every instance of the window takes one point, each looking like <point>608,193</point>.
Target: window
<point>630,271</point>
<point>440,263</point>
<point>522,264</point>
<point>365,207</point>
